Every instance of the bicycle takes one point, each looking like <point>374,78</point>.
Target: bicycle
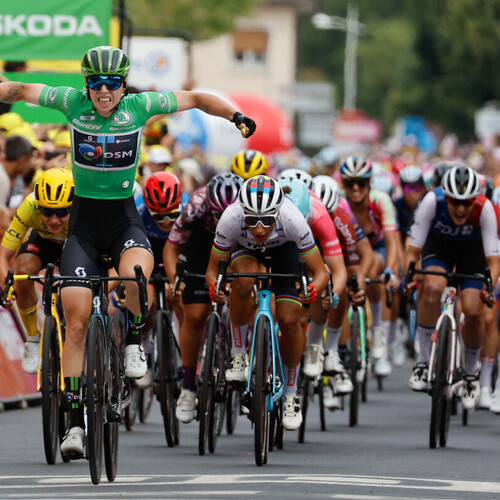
<point>444,379</point>
<point>215,353</point>
<point>167,374</point>
<point>50,378</point>
<point>264,388</point>
<point>104,388</point>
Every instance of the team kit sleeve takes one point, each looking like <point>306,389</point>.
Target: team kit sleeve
<point>489,229</point>
<point>386,209</point>
<point>19,225</point>
<point>423,219</point>
<point>155,103</point>
<point>64,99</point>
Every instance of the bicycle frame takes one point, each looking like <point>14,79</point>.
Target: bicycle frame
<point>448,301</point>
<point>274,358</point>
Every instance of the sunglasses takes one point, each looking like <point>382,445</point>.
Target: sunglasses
<point>408,188</point>
<point>349,183</point>
<point>265,220</point>
<point>111,82</point>
<point>59,212</point>
<point>457,203</point>
<point>168,217</point>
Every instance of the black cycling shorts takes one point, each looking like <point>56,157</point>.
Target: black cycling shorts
<point>461,256</point>
<point>284,259</point>
<point>47,251</point>
<point>196,254</point>
<point>97,228</point>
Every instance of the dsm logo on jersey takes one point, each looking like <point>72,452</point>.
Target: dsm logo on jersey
<point>122,118</point>
<point>90,152</point>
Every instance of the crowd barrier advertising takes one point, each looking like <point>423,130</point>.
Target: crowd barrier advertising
<point>15,384</point>
<point>53,29</point>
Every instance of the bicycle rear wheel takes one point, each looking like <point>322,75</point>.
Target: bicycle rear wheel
<point>130,414</point>
<point>232,409</point>
<point>50,389</point>
<point>113,398</point>
<point>319,389</point>
<point>260,390</point>
<point>206,398</point>
<point>145,402</point>
<point>439,383</point>
<point>354,367</point>
<point>167,377</point>
<point>94,396</point>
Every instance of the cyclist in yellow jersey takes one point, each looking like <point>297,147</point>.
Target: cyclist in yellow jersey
<point>106,126</point>
<point>37,233</point>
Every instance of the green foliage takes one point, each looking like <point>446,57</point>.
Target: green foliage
<point>435,58</point>
<point>202,18</point>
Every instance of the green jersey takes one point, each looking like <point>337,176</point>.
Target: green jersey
<point>105,151</point>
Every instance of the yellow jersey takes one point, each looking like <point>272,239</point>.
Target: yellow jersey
<point>28,217</point>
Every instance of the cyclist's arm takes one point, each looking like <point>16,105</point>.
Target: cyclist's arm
<point>5,255</point>
<point>171,254</point>
<point>17,91</point>
<point>392,244</point>
<point>494,266</point>
<point>367,256</point>
<point>208,103</point>
<point>213,265</point>
<point>317,268</point>
<point>412,253</point>
<point>339,272</point>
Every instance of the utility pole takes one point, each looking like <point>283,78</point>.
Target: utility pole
<point>353,29</point>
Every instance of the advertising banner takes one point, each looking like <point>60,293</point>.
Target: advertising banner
<point>52,29</point>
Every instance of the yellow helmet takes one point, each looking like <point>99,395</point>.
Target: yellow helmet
<point>55,188</point>
<point>249,163</point>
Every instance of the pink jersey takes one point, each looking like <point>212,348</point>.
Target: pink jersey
<point>322,227</point>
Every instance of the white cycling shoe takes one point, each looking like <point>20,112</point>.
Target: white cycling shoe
<point>135,361</point>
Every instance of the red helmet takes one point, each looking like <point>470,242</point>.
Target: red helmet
<point>162,192</point>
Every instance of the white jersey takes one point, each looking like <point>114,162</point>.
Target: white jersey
<point>290,226</point>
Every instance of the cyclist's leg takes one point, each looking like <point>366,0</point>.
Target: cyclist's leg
<point>488,353</point>
<point>241,312</point>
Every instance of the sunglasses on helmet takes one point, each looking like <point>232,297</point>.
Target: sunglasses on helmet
<point>168,217</point>
<point>265,220</point>
<point>456,203</point>
<point>59,212</point>
<point>349,183</point>
<point>111,82</point>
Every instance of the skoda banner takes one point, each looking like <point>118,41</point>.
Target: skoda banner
<point>52,29</point>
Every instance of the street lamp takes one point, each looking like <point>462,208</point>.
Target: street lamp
<point>353,29</point>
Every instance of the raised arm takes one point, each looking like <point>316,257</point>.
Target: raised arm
<point>18,91</point>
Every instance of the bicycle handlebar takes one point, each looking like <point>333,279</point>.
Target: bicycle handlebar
<point>453,278</point>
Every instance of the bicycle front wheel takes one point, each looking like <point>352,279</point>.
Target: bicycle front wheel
<point>354,368</point>
<point>167,377</point>
<point>113,395</point>
<point>439,383</point>
<point>207,389</point>
<point>260,390</point>
<point>50,389</point>
<point>94,396</point>
<point>307,394</point>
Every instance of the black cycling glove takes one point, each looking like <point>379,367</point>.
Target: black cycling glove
<point>241,119</point>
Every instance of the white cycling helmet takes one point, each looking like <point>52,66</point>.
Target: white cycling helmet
<point>327,190</point>
<point>295,173</point>
<point>260,195</point>
<point>411,175</point>
<point>357,167</point>
<point>461,183</point>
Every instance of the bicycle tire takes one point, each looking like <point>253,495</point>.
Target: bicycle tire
<point>447,405</point>
<point>322,420</point>
<point>304,405</point>
<point>260,390</point>
<point>207,386</point>
<point>131,411</point>
<point>221,357</point>
<point>167,378</point>
<point>50,389</point>
<point>280,430</point>
<point>113,396</point>
<point>145,402</point>
<point>354,367</point>
<point>63,425</point>
<point>439,383</point>
<point>94,397</point>
<point>232,409</point>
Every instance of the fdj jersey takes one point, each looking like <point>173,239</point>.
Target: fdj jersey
<point>105,151</point>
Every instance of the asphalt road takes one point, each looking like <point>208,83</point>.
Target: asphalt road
<point>385,456</point>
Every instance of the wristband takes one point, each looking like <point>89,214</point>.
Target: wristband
<point>236,116</point>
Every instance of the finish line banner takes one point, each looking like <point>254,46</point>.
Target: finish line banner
<point>52,29</point>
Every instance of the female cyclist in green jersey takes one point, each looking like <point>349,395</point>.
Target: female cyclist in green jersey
<point>106,126</point>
